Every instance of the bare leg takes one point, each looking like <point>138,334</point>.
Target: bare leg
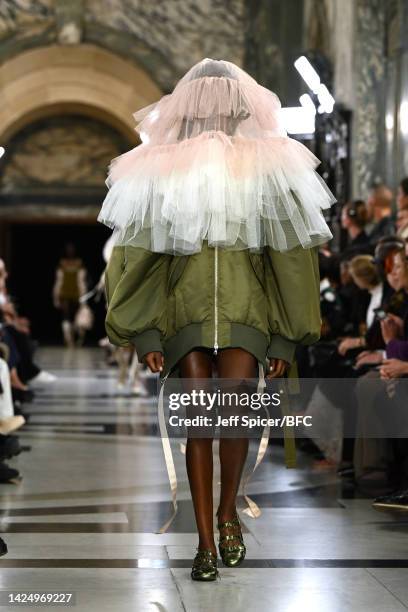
<point>199,458</point>
<point>233,363</point>
<point>67,326</point>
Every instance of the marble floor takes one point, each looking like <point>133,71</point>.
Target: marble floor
<point>95,491</point>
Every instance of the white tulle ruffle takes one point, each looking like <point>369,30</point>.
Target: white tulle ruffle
<point>233,191</point>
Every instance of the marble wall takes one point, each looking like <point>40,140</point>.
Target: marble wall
<point>396,112</point>
<point>381,108</point>
<point>25,23</point>
<point>168,37</point>
<point>370,89</point>
<point>165,38</point>
<point>363,39</point>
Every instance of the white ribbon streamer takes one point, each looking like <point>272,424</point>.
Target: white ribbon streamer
<point>168,457</point>
<point>253,509</point>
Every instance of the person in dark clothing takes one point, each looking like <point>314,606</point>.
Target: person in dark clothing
<point>402,209</point>
<point>26,368</point>
<point>379,214</point>
<point>394,366</point>
<point>402,195</point>
<point>366,277</point>
<point>384,254</point>
<point>353,220</point>
<point>3,547</point>
<point>354,302</point>
<point>339,362</point>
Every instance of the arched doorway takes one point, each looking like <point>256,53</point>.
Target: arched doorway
<point>67,113</point>
<point>81,78</point>
<point>51,187</point>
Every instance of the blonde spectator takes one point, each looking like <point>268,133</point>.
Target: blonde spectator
<point>365,275</point>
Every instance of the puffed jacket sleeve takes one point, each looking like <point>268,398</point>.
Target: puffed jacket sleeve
<point>136,290</point>
<point>293,298</point>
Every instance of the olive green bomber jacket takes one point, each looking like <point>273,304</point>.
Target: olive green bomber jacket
<point>265,302</point>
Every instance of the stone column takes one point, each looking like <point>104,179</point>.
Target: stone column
<point>397,94</point>
<point>368,160</point>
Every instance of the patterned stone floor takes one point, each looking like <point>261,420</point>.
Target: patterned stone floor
<point>95,491</point>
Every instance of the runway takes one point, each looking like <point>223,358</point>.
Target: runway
<point>95,490</point>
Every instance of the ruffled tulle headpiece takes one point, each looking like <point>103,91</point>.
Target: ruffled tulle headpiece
<point>216,164</point>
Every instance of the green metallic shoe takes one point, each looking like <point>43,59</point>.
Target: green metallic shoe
<point>232,555</point>
<point>204,566</point>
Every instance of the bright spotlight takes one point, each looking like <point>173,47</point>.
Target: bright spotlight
<point>308,73</point>
<point>2,151</point>
<point>312,79</point>
<point>325,98</point>
<point>307,102</point>
<point>298,120</point>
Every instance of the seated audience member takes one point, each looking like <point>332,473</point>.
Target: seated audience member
<point>354,302</point>
<point>402,209</point>
<point>330,411</point>
<point>379,214</point>
<point>395,328</point>
<point>353,220</point>
<point>371,454</point>
<point>331,307</point>
<point>402,224</point>
<point>368,277</point>
<point>9,421</point>
<point>402,195</point>
<point>395,309</point>
<point>3,286</point>
<point>17,335</point>
<point>13,356</point>
<point>310,359</point>
<point>365,275</point>
<point>395,367</point>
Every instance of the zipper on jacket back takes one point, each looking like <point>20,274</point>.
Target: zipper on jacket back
<point>215,300</point>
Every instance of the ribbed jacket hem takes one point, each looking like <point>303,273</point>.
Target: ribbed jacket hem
<point>230,335</point>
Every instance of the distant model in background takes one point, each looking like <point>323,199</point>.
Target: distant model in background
<point>68,287</point>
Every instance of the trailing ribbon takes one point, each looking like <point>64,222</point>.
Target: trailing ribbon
<point>168,457</point>
<point>293,387</point>
<point>253,509</point>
